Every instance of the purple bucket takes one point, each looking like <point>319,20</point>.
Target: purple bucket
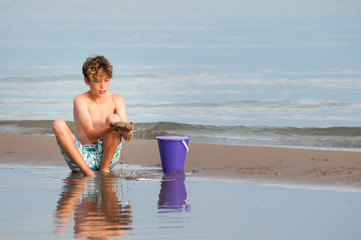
<point>173,151</point>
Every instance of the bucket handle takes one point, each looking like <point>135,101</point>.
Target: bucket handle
<point>185,145</point>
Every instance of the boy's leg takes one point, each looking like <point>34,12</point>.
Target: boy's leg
<point>110,144</point>
<point>66,142</point>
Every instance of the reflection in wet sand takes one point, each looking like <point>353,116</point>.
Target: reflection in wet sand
<point>173,194</point>
<point>173,202</point>
<point>93,206</point>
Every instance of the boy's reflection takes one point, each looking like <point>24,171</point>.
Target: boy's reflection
<point>96,206</point>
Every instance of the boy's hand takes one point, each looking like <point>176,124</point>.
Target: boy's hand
<point>122,126</point>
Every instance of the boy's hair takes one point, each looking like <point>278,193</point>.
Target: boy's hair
<point>96,67</point>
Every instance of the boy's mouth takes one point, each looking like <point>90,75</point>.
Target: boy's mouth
<point>101,91</point>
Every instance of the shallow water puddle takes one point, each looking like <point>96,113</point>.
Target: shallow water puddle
<point>142,203</point>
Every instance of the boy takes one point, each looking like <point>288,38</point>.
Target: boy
<point>94,145</point>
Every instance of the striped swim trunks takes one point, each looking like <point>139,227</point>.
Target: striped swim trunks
<point>92,155</point>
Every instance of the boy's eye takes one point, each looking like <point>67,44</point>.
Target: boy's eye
<point>98,81</point>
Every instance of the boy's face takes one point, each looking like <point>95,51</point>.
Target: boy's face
<point>98,86</point>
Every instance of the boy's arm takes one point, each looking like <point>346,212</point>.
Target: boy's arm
<point>82,114</point>
<point>121,112</point>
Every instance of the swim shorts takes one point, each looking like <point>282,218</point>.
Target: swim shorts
<point>92,155</point>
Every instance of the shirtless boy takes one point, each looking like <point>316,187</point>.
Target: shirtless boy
<point>94,144</point>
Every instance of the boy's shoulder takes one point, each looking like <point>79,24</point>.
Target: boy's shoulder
<point>81,97</point>
<point>116,97</point>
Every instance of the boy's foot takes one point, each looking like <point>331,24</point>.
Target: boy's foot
<point>89,174</point>
<point>104,171</point>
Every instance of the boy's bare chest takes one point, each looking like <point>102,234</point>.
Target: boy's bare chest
<point>99,112</point>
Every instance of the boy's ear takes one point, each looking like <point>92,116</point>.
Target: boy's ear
<point>86,81</point>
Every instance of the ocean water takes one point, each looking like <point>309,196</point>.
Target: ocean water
<point>51,203</point>
<point>280,73</point>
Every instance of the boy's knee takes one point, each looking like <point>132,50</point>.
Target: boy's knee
<point>112,118</point>
<point>59,126</point>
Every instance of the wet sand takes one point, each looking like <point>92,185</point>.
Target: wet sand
<point>255,165</point>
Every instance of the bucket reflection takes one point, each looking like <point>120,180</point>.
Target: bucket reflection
<point>173,194</point>
<point>93,207</point>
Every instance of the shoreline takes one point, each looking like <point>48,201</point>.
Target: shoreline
<point>276,166</point>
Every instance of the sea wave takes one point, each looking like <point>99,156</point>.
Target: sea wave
<point>243,104</point>
<point>346,138</point>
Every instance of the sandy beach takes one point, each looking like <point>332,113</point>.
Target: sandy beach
<point>255,165</point>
